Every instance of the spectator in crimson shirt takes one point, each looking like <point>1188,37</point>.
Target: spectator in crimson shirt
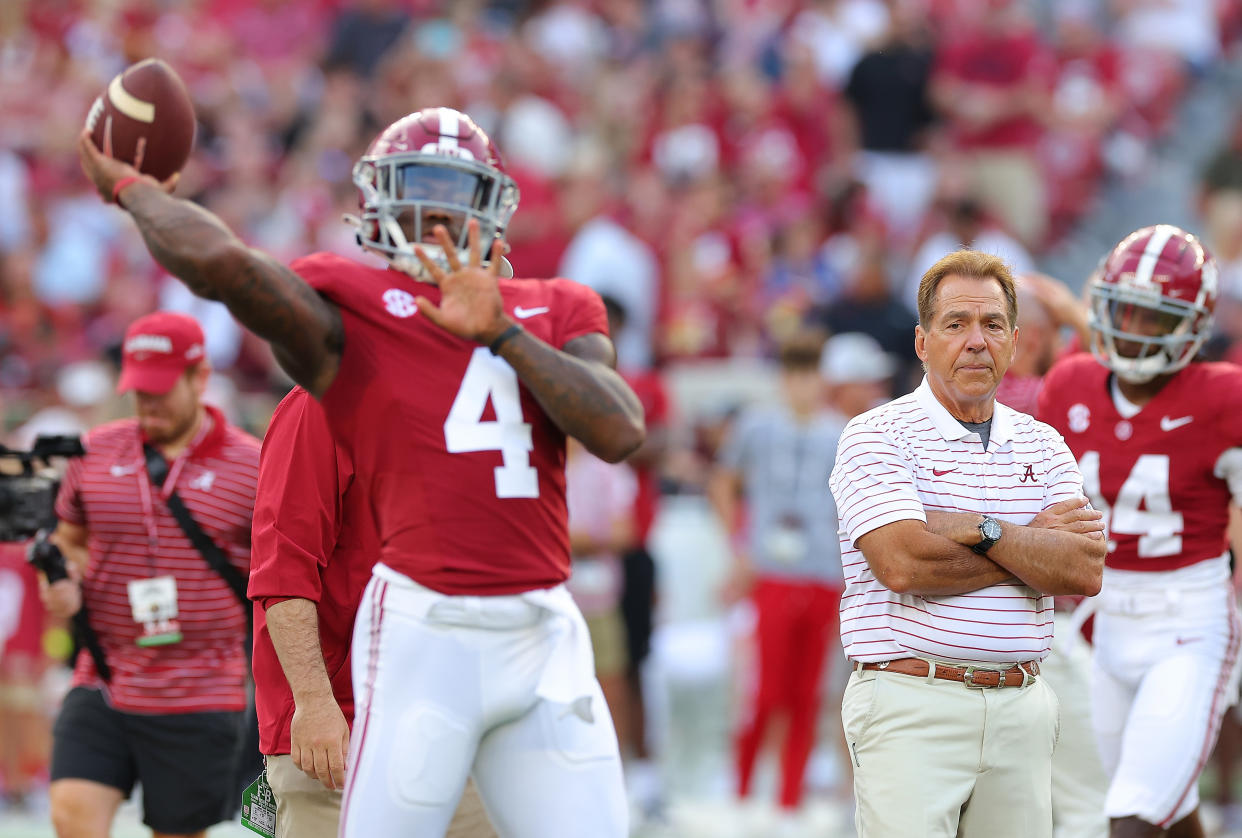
<point>171,629</point>
<point>992,85</point>
<point>315,543</point>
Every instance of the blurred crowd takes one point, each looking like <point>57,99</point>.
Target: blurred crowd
<point>726,172</point>
<point>724,169</point>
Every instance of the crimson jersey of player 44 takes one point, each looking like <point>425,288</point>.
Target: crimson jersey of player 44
<point>466,471</point>
<point>1158,475</point>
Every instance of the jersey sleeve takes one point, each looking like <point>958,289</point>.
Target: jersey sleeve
<point>872,482</point>
<point>1227,384</point>
<point>582,311</point>
<point>318,270</point>
<point>1228,466</point>
<point>297,512</point>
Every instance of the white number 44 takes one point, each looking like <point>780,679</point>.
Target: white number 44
<point>1158,527</point>
<point>489,377</point>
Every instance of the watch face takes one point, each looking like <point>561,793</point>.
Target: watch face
<point>991,529</point>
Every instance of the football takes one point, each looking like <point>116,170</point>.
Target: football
<point>146,118</point>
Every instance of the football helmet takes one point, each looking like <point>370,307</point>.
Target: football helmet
<point>1151,303</point>
<point>435,166</point>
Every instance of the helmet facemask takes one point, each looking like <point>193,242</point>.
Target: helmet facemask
<point>405,195</point>
<point>1167,331</point>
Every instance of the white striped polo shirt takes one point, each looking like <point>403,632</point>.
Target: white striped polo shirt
<point>132,535</point>
<point>911,455</point>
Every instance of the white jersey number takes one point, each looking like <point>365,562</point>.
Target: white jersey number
<point>489,377</point>
<point>1143,506</point>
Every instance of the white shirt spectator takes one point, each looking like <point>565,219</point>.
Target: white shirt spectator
<point>837,33</point>
<point>608,258</point>
<point>223,334</point>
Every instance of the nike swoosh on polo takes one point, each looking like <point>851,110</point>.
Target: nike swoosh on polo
<point>121,471</point>
<point>940,473</point>
<point>1167,424</point>
<point>1182,641</point>
<point>524,313</point>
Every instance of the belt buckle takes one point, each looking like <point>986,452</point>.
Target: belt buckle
<point>968,678</point>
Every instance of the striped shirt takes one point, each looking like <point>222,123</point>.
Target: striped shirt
<point>906,457</point>
<point>784,465</point>
<point>132,535</point>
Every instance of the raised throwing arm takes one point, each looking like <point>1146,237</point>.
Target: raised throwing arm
<point>192,244</point>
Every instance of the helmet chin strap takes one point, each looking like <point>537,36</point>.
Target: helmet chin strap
<point>404,260</point>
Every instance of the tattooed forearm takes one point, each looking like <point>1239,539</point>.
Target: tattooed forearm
<point>269,299</point>
<point>581,393</point>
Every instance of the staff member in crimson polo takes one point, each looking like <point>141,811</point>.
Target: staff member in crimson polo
<point>959,518</point>
<point>171,629</point>
<point>315,542</point>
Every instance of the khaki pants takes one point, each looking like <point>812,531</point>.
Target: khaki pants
<point>934,758</point>
<point>305,809</point>
<point>1012,187</point>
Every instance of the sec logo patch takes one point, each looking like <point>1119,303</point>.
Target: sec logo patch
<point>1079,418</point>
<point>400,303</point>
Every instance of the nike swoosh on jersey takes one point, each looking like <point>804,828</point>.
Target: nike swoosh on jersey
<point>1167,424</point>
<point>524,313</point>
<point>121,471</point>
<point>940,473</point>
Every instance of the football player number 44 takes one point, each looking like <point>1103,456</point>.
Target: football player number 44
<point>465,430</point>
<point>1143,507</point>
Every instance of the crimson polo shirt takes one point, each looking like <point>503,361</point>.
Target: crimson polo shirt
<point>132,535</point>
<point>315,539</point>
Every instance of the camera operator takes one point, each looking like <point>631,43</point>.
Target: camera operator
<point>155,527</point>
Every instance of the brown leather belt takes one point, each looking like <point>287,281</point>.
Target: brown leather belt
<point>1020,674</point>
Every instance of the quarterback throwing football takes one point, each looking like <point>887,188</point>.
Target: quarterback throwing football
<point>453,390</point>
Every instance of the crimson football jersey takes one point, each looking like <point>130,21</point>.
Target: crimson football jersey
<point>1152,475</point>
<point>466,471</point>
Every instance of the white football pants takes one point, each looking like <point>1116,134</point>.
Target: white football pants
<point>446,687</point>
<point>1165,671</point>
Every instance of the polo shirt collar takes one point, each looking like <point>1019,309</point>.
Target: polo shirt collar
<point>951,429</point>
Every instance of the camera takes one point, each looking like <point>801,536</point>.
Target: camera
<point>28,486</point>
<point>28,489</point>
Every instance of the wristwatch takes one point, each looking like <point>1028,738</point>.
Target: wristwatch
<point>990,530</point>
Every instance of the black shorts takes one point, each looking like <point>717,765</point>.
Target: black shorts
<point>638,589</point>
<point>184,761</point>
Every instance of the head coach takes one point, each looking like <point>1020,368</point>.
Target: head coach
<point>960,517</point>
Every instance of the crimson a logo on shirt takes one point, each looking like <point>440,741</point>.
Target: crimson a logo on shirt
<point>400,303</point>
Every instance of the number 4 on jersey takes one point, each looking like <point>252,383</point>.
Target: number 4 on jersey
<point>1143,506</point>
<point>489,377</point>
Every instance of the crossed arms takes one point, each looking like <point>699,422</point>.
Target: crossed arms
<point>1061,551</point>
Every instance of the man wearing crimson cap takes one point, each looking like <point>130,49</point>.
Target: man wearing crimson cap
<point>155,527</point>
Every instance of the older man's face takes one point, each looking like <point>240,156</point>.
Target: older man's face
<point>969,342</point>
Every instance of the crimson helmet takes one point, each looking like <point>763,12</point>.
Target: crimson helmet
<point>435,166</point>
<point>1155,291</point>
